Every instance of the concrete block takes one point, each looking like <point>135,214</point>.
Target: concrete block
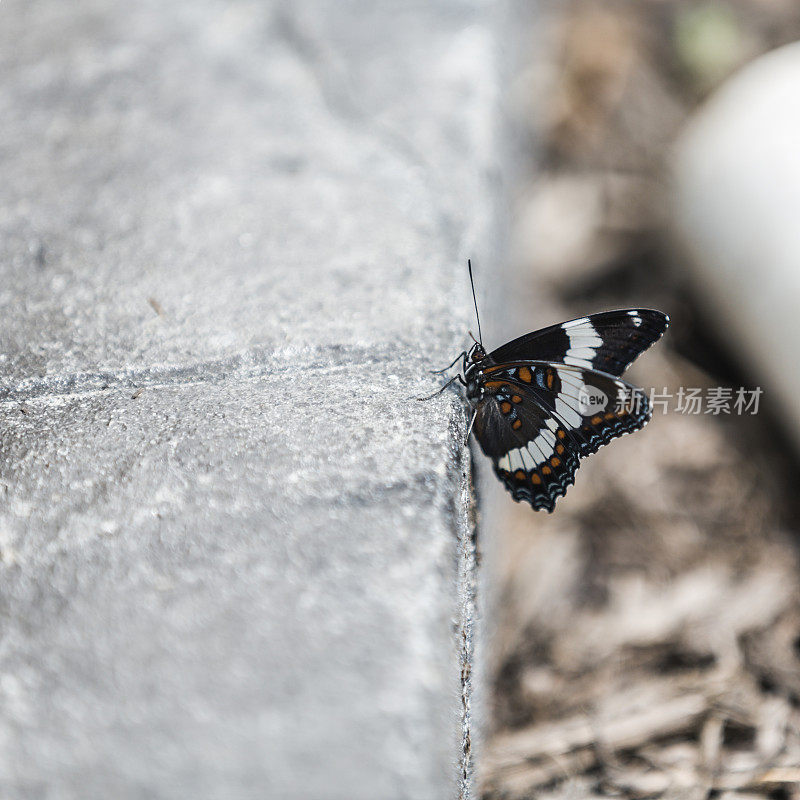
<point>236,555</point>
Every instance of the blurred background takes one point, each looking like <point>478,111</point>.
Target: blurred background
<point>648,633</point>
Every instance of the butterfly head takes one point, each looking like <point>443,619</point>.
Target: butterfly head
<point>476,353</point>
<point>472,370</point>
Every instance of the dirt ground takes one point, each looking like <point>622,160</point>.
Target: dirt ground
<point>648,637</point>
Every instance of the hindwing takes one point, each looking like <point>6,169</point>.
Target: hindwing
<point>537,419</point>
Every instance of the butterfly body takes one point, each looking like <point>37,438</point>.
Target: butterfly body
<point>547,399</point>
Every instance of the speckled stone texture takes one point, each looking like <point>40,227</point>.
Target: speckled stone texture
<point>236,554</point>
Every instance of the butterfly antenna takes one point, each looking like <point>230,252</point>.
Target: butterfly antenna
<point>474,300</point>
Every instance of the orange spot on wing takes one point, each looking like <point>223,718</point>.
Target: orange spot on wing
<point>609,416</point>
<point>546,470</point>
<point>524,374</point>
<point>561,433</point>
<point>516,424</point>
<point>520,474</point>
<point>555,461</point>
<point>505,407</point>
<point>535,479</point>
<point>516,399</point>
<point>559,448</point>
<point>550,378</point>
<point>596,420</point>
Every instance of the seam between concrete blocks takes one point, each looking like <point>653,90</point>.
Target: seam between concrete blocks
<point>242,365</point>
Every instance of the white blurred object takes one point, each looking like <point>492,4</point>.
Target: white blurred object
<point>737,213</point>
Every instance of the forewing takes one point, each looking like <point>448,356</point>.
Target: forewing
<point>607,342</point>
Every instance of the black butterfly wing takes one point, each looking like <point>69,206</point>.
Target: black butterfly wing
<point>530,452</point>
<point>538,419</point>
<point>607,342</point>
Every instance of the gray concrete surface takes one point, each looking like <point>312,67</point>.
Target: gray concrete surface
<point>236,558</point>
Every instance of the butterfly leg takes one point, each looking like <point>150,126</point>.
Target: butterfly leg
<point>452,363</point>
<point>439,391</point>
<point>471,423</point>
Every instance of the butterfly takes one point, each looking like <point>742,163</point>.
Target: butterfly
<point>546,400</point>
